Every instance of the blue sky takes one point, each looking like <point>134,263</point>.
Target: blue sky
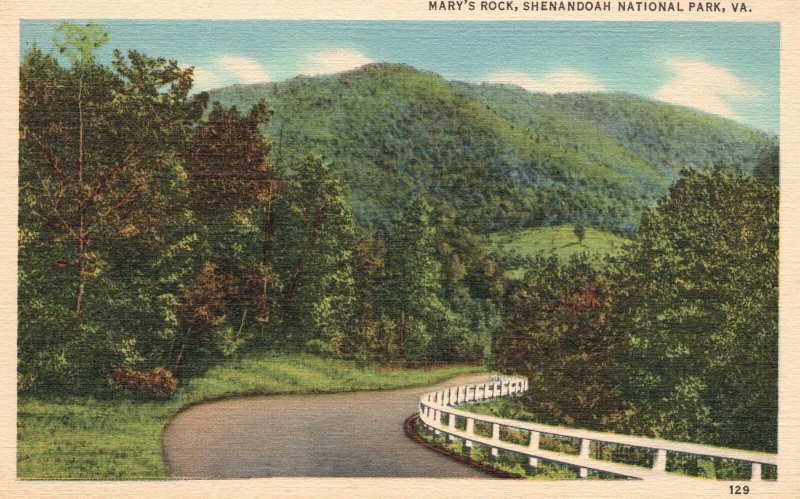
<point>729,69</point>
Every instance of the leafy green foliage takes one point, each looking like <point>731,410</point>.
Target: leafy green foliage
<point>702,312</point>
<point>313,258</point>
<point>676,339</point>
<point>97,146</point>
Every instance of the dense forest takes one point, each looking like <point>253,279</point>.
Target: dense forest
<point>346,216</point>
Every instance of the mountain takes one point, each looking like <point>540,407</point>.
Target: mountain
<point>492,156</point>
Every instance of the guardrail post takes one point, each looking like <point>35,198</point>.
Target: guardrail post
<point>585,446</point>
<point>583,473</point>
<point>451,423</point>
<point>470,426</point>
<point>534,441</point>
<point>660,460</point>
<point>495,432</point>
<point>755,472</point>
<point>495,453</point>
<point>474,392</point>
<point>533,463</point>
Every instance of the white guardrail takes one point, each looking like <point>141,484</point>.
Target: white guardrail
<point>434,405</point>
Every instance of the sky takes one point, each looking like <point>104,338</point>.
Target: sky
<point>728,69</point>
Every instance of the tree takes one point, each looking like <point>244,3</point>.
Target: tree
<point>412,291</point>
<point>233,192</point>
<point>559,331</point>
<point>768,167</point>
<point>701,299</point>
<point>313,258</point>
<point>97,146</point>
<point>373,332</point>
<point>228,161</point>
<point>580,232</point>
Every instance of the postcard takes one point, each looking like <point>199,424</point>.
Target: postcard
<point>451,248</point>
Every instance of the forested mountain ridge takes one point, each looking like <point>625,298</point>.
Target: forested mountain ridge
<point>496,156</point>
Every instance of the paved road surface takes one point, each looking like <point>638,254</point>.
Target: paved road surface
<point>338,435</point>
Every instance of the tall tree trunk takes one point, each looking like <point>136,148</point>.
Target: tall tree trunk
<point>401,337</point>
<point>79,278</point>
<point>269,235</point>
<point>82,235</point>
<point>288,291</point>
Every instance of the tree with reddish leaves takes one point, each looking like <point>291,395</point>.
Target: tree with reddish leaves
<point>228,161</point>
<point>233,193</point>
<point>559,332</point>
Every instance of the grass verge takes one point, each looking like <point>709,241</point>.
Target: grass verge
<point>505,465</point>
<point>84,438</point>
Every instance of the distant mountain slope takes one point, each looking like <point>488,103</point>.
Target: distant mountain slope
<point>666,136</point>
<point>493,156</point>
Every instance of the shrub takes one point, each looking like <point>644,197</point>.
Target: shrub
<point>158,383</point>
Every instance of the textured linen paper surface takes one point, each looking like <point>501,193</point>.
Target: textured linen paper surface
<point>578,199</point>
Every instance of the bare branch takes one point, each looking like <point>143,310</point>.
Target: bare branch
<point>48,156</point>
<point>127,198</point>
<point>109,177</point>
<point>55,206</point>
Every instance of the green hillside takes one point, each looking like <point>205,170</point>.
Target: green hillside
<point>493,156</point>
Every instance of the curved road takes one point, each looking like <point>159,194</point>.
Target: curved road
<point>338,435</point>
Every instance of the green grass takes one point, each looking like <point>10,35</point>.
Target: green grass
<point>560,241</point>
<point>509,462</point>
<point>84,438</point>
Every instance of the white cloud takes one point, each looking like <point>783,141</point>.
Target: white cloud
<point>226,70</point>
<point>705,87</point>
<point>205,79</point>
<point>559,81</point>
<point>242,69</point>
<point>334,61</point>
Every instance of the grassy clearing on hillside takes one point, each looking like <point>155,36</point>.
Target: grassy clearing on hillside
<point>84,438</point>
<point>560,241</point>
